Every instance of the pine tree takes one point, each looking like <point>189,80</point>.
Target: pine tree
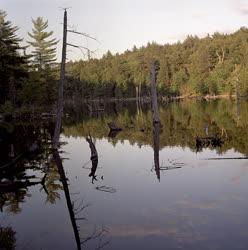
<point>12,63</point>
<point>44,53</point>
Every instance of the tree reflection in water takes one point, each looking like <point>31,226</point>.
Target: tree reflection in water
<point>7,238</point>
<point>15,177</point>
<point>97,234</point>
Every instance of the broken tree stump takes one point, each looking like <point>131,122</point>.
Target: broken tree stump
<point>113,127</point>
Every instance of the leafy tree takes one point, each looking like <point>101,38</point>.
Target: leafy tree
<point>194,66</point>
<point>164,76</point>
<point>179,79</point>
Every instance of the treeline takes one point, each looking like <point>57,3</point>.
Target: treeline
<point>212,65</point>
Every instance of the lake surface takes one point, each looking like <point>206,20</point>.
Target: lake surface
<point>151,187</point>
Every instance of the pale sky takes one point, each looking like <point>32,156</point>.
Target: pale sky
<point>121,24</point>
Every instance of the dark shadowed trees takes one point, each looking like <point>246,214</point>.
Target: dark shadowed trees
<point>13,68</point>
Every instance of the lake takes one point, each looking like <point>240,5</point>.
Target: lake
<point>179,185</point>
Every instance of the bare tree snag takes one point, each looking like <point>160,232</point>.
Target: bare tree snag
<point>154,94</point>
<point>83,34</point>
<point>61,87</point>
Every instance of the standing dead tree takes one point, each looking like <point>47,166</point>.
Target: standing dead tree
<point>61,86</point>
<point>156,120</point>
<point>154,94</point>
<point>59,112</point>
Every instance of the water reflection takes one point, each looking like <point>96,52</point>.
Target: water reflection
<point>7,238</point>
<point>63,179</point>
<point>30,162</point>
<point>203,205</point>
<point>156,128</point>
<point>93,158</point>
<point>22,155</point>
<point>181,123</point>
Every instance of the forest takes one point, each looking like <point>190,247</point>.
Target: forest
<point>213,65</point>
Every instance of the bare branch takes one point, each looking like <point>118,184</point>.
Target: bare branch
<point>89,52</point>
<point>80,47</point>
<point>64,8</point>
<point>81,218</point>
<point>83,34</point>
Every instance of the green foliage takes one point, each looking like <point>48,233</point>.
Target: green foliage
<point>7,108</point>
<point>179,79</point>
<point>180,123</point>
<point>243,82</point>
<point>44,50</point>
<point>212,65</point>
<point>195,66</point>
<point>13,67</point>
<point>43,75</point>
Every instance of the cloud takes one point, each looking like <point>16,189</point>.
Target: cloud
<point>242,7</point>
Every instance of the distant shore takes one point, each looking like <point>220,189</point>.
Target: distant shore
<point>40,112</point>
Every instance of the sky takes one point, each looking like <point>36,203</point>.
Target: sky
<point>120,24</point>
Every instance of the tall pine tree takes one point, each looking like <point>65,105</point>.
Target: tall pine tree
<point>43,59</point>
<point>12,64</point>
<point>44,53</point>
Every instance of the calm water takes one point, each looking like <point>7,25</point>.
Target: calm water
<point>150,188</point>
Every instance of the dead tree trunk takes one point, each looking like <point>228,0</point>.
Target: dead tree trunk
<point>154,94</point>
<point>61,87</point>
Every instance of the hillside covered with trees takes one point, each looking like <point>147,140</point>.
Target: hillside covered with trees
<point>212,65</point>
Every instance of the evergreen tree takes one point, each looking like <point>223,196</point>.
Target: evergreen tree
<point>43,58</point>
<point>44,53</point>
<point>12,63</point>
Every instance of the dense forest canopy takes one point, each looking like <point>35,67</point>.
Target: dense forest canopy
<point>211,65</point>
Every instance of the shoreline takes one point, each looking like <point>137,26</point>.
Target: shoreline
<point>40,112</point>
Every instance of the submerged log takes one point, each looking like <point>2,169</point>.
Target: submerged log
<point>93,158</point>
<point>114,127</point>
<point>213,141</point>
<point>113,133</point>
